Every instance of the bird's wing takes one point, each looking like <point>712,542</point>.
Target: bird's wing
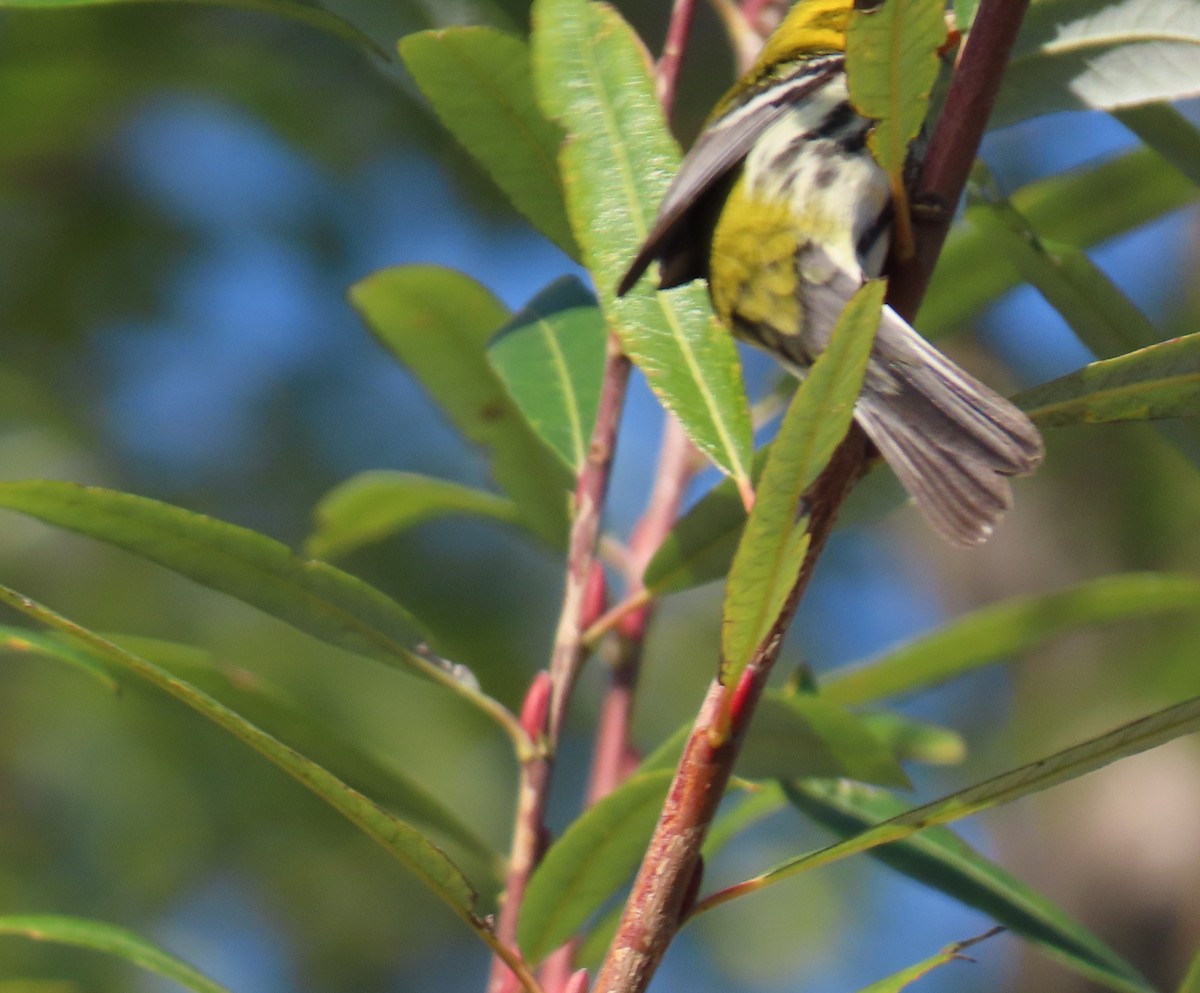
<point>719,149</point>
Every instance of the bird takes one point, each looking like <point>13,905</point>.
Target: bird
<point>782,208</point>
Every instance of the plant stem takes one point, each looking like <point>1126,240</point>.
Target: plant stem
<point>567,655</point>
<point>667,878</point>
<point>669,64</point>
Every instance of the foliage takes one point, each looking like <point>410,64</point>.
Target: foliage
<point>563,124</point>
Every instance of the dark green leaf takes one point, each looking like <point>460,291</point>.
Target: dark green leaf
<point>551,359</point>
<point>480,83</point>
<point>438,322</point>
<point>587,865</point>
<point>803,735</point>
<point>995,632</point>
<point>404,842</point>
<point>1079,208</point>
<point>592,75</point>
<point>937,857</point>
<point>1168,132</point>
<point>375,505</point>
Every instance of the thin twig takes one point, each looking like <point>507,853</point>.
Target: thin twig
<point>669,64</point>
<point>544,716</point>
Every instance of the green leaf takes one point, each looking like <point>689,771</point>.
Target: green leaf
<point>891,65</point>
<point>310,14</point>
<point>112,940</point>
<point>402,840</point>
<point>592,75</point>
<point>906,977</point>
<point>1084,55</point>
<point>480,83</point>
<point>267,706</point>
<point>794,735</point>
<point>916,741</point>
<point>938,858</point>
<point>1101,315</point>
<point>551,359</point>
<point>375,505</point>
<point>1079,208</point>
<point>1156,382</point>
<point>1168,132</point>
<point>995,632</point>
<point>772,549</point>
<point>1191,982</point>
<point>1071,763</point>
<point>587,865</point>
<point>19,641</point>
<point>438,322</point>
<point>312,596</point>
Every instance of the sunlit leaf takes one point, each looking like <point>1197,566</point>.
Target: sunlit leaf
<point>998,631</point>
<point>1156,382</point>
<point>593,76</point>
<point>586,866</point>
<point>1081,55</point>
<point>1168,132</point>
<point>480,83</point>
<point>375,505</point>
<point>917,741</point>
<point>438,323</point>
<point>111,940</point>
<point>773,545</point>
<point>551,358</point>
<point>938,858</point>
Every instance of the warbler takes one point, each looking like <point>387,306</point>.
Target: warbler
<point>782,208</point>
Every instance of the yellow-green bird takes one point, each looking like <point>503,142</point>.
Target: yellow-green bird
<point>781,207</point>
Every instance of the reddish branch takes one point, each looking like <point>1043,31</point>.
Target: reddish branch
<point>669,871</point>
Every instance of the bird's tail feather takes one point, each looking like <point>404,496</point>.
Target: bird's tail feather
<point>951,441</point>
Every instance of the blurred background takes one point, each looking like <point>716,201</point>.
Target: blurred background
<point>185,196</point>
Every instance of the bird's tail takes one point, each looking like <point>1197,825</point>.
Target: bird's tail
<point>950,440</point>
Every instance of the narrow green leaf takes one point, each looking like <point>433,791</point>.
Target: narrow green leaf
<point>1081,55</point>
<point>592,75</point>
<point>1156,382</point>
<point>480,83</point>
<point>891,65</point>
<point>1071,763</point>
<point>906,977</point>
<point>916,741</point>
<point>438,322</point>
<point>18,641</point>
<point>375,505</point>
<point>1101,315</point>
<point>804,735</point>
<point>112,940</point>
<point>310,14</point>
<point>551,359</point>
<point>587,865</point>
<point>938,858</point>
<point>1081,208</point>
<point>1191,982</point>
<point>312,596</point>
<point>267,706</point>
<point>1168,132</point>
<point>402,840</point>
<point>995,632</point>
<point>771,552</point>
